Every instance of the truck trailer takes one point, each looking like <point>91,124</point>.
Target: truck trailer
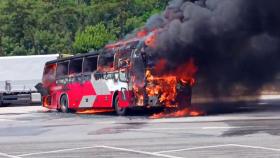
<point>18,77</point>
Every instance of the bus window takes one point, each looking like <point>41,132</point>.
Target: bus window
<point>75,66</point>
<point>90,64</point>
<point>49,74</point>
<point>106,61</point>
<point>62,69</point>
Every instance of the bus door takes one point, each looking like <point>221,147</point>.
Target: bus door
<point>88,92</point>
<point>124,93</point>
<point>137,73</point>
<point>61,82</point>
<point>75,83</point>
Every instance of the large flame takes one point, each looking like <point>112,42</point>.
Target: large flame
<point>166,85</point>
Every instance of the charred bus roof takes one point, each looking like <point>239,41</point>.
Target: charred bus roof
<point>129,44</point>
<point>96,53</point>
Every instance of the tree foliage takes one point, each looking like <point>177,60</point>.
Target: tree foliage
<point>69,26</point>
<point>93,37</point>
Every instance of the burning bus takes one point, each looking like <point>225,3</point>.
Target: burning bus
<point>122,75</point>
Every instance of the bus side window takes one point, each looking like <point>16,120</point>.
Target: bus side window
<point>49,73</point>
<point>62,69</point>
<point>106,63</point>
<point>90,64</point>
<point>75,66</point>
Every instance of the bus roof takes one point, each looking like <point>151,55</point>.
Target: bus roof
<point>96,53</point>
<point>132,43</point>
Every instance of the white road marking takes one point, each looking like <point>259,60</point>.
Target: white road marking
<point>188,128</point>
<point>262,103</point>
<point>218,146</point>
<point>158,154</point>
<point>21,110</point>
<point>256,147</point>
<point>141,152</point>
<point>225,127</point>
<point>57,151</point>
<point>194,148</point>
<point>90,147</point>
<point>269,97</point>
<point>5,120</point>
<point>106,122</point>
<point>8,156</point>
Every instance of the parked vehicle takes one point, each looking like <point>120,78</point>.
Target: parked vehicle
<point>19,75</point>
<point>119,77</point>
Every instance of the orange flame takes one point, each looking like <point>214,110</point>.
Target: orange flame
<point>94,111</point>
<point>138,95</point>
<point>151,39</point>
<point>142,33</point>
<point>165,85</point>
<point>178,113</point>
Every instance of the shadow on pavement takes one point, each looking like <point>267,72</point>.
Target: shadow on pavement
<point>238,107</point>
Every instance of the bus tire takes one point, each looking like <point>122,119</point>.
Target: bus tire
<point>119,111</point>
<point>64,105</point>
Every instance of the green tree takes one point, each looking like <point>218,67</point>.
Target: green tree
<point>93,37</point>
<point>60,26</point>
<point>49,43</point>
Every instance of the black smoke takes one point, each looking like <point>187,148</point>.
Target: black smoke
<point>233,42</point>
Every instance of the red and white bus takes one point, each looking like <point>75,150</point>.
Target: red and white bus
<point>118,77</point>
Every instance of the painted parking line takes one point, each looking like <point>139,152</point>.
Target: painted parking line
<point>5,120</point>
<point>219,146</point>
<point>8,155</point>
<point>140,152</point>
<point>256,147</point>
<point>58,151</point>
<point>226,127</point>
<point>188,128</point>
<point>91,147</point>
<point>157,154</point>
<point>193,148</point>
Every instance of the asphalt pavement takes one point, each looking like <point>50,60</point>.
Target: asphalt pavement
<point>251,130</point>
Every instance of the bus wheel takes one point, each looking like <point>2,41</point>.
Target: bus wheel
<point>64,104</point>
<point>119,111</point>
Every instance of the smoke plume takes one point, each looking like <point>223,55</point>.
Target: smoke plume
<point>233,42</point>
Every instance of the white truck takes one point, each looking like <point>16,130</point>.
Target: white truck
<point>19,75</point>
